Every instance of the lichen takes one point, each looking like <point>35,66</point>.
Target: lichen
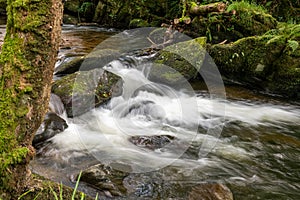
<point>26,60</point>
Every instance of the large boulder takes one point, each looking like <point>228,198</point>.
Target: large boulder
<point>241,19</point>
<point>83,90</point>
<point>269,62</point>
<point>179,62</point>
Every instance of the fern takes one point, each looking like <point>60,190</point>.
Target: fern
<point>293,44</point>
<point>243,5</point>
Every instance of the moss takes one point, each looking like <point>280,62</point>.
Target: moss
<point>137,23</point>
<point>247,20</point>
<point>42,189</point>
<point>180,61</point>
<point>83,89</point>
<point>246,6</point>
<point>23,83</point>
<point>10,152</point>
<point>272,58</point>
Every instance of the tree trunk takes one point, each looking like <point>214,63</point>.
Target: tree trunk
<point>26,67</point>
<point>205,9</point>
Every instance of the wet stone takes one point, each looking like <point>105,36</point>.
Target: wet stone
<point>210,191</point>
<point>51,126</point>
<point>151,142</point>
<point>105,178</point>
<point>84,90</point>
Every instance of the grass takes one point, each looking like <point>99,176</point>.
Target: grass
<point>58,195</point>
<point>82,195</point>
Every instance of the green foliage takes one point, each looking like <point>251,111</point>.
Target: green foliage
<point>246,6</point>
<point>293,44</point>
<point>85,7</point>
<point>282,10</point>
<point>60,195</point>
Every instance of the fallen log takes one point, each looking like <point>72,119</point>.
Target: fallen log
<point>200,10</point>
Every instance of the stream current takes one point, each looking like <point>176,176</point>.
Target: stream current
<point>248,141</point>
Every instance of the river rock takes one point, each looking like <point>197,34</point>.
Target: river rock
<point>69,67</point>
<point>151,142</point>
<point>269,62</point>
<point>105,178</point>
<point>52,125</point>
<point>210,191</point>
<point>179,62</point>
<point>98,58</point>
<point>83,90</point>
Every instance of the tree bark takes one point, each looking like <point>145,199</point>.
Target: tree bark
<point>205,9</point>
<point>26,67</point>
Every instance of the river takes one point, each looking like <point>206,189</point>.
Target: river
<point>253,146</point>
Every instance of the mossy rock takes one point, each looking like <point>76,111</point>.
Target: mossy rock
<point>106,178</point>
<point>83,90</point>
<point>137,23</point>
<point>269,62</point>
<point>217,27</point>
<point>179,62</point>
<point>69,67</point>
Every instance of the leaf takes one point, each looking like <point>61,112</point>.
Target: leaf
<point>293,44</point>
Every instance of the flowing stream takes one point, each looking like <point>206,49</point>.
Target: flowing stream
<point>248,141</point>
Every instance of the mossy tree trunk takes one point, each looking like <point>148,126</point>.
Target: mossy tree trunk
<point>26,66</point>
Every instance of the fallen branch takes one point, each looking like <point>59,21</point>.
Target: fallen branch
<point>205,9</point>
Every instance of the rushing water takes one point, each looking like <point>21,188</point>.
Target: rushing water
<point>257,153</point>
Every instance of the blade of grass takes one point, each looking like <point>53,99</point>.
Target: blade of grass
<point>37,196</point>
<point>76,186</point>
<point>54,193</point>
<point>24,194</point>
<point>82,196</point>
<point>60,191</point>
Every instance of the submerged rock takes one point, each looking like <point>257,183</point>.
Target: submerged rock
<point>210,191</point>
<point>151,142</point>
<point>83,90</point>
<point>171,182</point>
<point>105,178</point>
<point>51,126</point>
